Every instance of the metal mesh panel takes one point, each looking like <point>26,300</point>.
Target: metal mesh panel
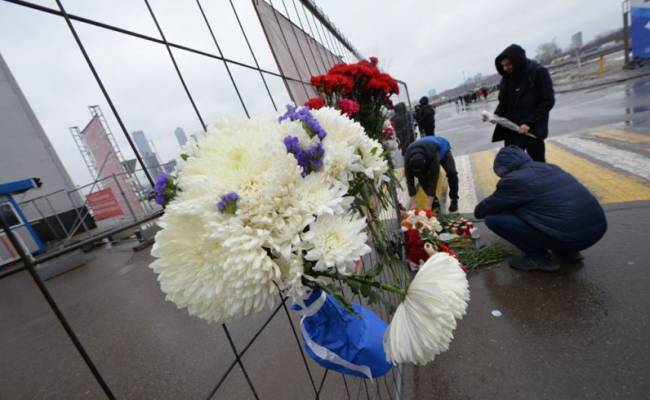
<point>195,46</point>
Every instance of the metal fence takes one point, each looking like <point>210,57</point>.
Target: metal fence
<point>280,323</point>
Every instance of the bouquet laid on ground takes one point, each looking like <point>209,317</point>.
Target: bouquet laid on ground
<point>285,205</point>
<point>426,235</point>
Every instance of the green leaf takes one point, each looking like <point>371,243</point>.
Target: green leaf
<point>373,297</point>
<point>184,156</point>
<point>366,290</point>
<point>354,286</point>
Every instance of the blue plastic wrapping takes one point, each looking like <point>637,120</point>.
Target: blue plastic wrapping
<point>343,342</point>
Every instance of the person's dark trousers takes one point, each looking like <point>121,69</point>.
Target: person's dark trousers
<point>449,165</point>
<point>536,149</point>
<point>529,240</point>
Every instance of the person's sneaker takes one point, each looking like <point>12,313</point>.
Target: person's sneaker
<point>571,257</point>
<point>539,263</point>
<point>453,206</point>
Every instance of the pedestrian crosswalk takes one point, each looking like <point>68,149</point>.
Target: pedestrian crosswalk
<point>613,163</point>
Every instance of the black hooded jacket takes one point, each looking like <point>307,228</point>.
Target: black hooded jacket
<point>426,117</point>
<point>525,97</point>
<point>403,126</point>
<point>546,197</point>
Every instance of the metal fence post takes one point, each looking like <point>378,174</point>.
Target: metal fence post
<point>29,264</point>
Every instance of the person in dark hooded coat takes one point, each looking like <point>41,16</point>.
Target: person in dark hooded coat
<point>403,126</point>
<point>540,207</point>
<point>526,98</point>
<point>425,116</point>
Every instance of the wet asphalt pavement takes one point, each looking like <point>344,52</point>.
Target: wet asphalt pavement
<point>580,333</point>
<point>624,105</point>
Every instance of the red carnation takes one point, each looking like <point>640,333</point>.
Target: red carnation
<point>315,103</point>
<point>414,246</point>
<point>348,107</point>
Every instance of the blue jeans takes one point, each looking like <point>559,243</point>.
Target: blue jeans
<point>529,240</point>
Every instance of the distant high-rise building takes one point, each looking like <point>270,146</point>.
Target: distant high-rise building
<point>146,152</point>
<point>180,136</point>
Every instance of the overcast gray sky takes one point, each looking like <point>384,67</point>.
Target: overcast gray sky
<point>428,44</point>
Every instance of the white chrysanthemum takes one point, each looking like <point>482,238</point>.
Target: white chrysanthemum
<point>340,128</point>
<point>217,265</point>
<point>336,242</point>
<point>343,132</point>
<point>423,324</point>
<point>341,162</point>
<point>321,195</point>
<point>374,165</point>
<point>212,281</point>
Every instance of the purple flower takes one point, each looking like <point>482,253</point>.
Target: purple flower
<point>292,144</point>
<point>309,160</point>
<point>161,187</point>
<point>228,203</point>
<point>304,115</point>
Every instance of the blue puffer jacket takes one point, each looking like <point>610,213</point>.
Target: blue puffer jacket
<point>546,197</point>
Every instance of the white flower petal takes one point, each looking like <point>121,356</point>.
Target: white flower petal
<point>423,325</point>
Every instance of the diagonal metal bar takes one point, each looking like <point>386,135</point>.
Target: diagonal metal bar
<point>29,265</point>
<point>12,271</point>
<point>286,42</point>
<point>311,51</point>
<point>320,53</point>
<point>178,71</point>
<point>295,35</point>
<point>241,354</point>
<point>345,382</point>
<point>322,383</point>
<point>302,352</point>
<point>214,39</point>
<point>250,48</point>
<point>104,91</point>
<point>239,361</point>
<point>148,38</point>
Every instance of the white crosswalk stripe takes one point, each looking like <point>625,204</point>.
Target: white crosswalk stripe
<point>628,161</point>
<point>466,189</point>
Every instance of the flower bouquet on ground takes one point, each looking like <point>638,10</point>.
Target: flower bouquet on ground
<point>282,205</point>
<point>425,235</point>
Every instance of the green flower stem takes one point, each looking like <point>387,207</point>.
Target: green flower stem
<point>378,285</point>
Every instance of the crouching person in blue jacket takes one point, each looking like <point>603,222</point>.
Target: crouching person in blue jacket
<point>539,207</point>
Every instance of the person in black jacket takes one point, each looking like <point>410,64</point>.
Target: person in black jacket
<point>539,207</point>
<point>526,98</point>
<point>425,116</point>
<point>403,126</point>
<point>423,160</point>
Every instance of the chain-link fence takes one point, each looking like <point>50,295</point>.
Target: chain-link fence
<point>180,53</point>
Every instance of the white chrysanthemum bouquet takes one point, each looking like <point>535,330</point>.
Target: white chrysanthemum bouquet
<point>285,204</point>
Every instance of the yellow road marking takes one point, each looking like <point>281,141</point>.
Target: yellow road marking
<point>622,136</point>
<point>484,177</point>
<point>608,185</point>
